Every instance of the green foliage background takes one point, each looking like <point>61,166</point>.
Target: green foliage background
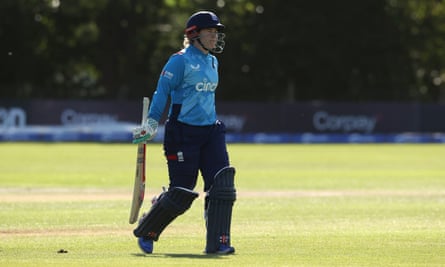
<point>288,50</point>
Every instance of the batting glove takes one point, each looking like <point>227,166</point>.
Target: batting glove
<point>146,132</point>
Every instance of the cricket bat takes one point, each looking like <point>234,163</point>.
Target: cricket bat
<point>139,179</point>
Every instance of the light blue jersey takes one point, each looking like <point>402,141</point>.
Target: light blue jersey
<point>190,78</point>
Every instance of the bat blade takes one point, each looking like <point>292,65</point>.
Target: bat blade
<point>140,176</point>
<point>139,184</point>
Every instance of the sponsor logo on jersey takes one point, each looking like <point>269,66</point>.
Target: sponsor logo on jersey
<point>206,86</point>
<point>196,67</point>
<point>167,74</point>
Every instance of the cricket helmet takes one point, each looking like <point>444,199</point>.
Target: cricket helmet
<point>204,20</point>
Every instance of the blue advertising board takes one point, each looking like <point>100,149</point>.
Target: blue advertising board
<point>305,122</point>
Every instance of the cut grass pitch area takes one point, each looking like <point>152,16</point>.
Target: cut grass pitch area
<point>298,205</point>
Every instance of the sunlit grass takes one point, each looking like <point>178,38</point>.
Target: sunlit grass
<point>298,205</point>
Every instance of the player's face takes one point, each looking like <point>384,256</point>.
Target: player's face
<point>209,37</point>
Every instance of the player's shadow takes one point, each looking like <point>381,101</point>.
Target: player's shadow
<point>180,255</point>
<point>193,256</point>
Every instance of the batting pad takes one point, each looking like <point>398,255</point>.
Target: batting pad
<point>170,205</point>
<point>221,197</point>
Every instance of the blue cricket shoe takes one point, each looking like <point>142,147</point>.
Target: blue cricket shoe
<point>224,249</point>
<point>145,244</point>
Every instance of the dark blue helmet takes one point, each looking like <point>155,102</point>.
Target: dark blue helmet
<point>205,20</point>
<point>202,20</point>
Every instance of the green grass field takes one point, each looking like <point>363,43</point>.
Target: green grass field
<point>298,205</point>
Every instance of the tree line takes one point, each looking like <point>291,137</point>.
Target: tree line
<point>276,51</point>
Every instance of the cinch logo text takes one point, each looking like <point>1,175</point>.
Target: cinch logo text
<point>205,86</point>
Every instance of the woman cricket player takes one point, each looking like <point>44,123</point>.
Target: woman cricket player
<point>194,139</point>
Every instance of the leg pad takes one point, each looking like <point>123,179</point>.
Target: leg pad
<point>220,199</point>
<point>169,205</point>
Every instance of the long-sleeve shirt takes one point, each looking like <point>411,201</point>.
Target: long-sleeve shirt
<point>190,78</point>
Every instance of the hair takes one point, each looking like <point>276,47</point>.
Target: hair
<point>186,43</point>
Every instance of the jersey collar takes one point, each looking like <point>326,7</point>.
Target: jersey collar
<point>195,50</point>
